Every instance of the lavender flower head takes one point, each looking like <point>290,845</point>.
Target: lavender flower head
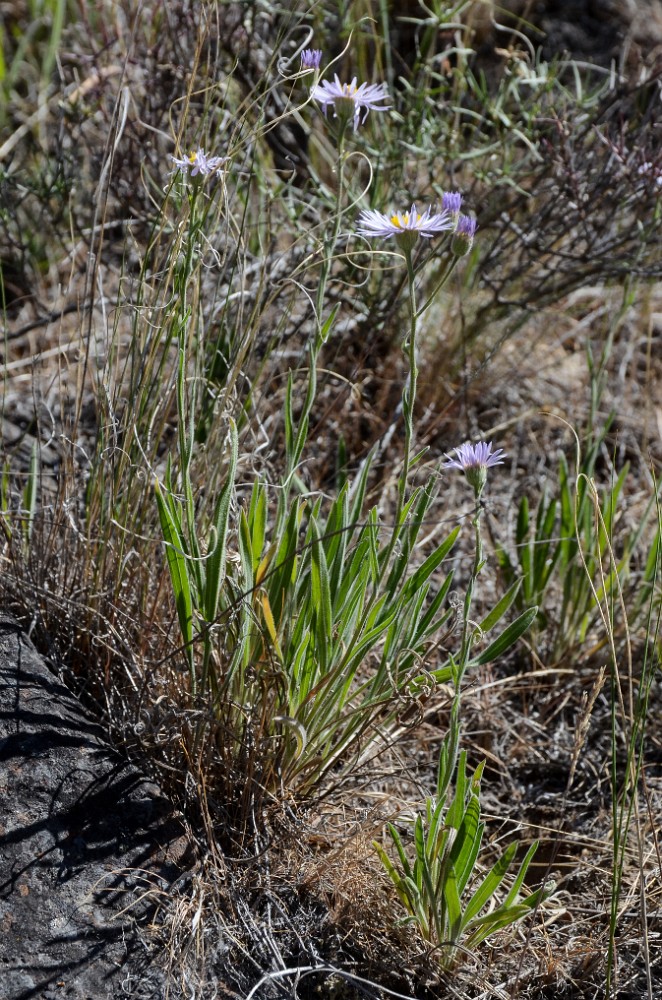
<point>451,201</point>
<point>474,460</point>
<point>405,226</point>
<point>349,99</point>
<point>463,237</point>
<point>198,163</point>
<point>311,58</point>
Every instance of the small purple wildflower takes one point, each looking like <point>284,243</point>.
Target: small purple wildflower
<point>474,460</point>
<point>348,99</point>
<point>405,226</point>
<point>463,237</point>
<point>311,58</point>
<point>451,201</point>
<point>198,163</point>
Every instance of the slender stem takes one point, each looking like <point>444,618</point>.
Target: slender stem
<point>408,402</point>
<point>330,245</point>
<point>452,739</point>
<point>409,395</point>
<point>186,415</point>
<point>467,634</point>
<point>409,392</point>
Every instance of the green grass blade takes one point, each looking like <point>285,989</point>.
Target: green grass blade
<point>171,529</point>
<point>215,565</point>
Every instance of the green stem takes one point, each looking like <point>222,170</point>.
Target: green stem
<point>408,402</point>
<point>330,244</point>
<point>186,395</point>
<point>409,395</point>
<point>467,634</point>
<point>451,741</point>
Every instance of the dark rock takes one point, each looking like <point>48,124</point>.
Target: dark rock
<point>86,842</point>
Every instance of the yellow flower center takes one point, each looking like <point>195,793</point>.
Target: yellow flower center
<point>402,221</point>
<point>349,90</point>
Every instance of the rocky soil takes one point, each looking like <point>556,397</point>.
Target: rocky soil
<point>87,844</point>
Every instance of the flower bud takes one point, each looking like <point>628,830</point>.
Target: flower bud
<point>463,237</point>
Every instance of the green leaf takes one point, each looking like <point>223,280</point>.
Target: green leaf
<point>453,905</point>
<point>302,431</point>
<point>440,597</point>
<point>215,564</point>
<point>373,535</point>
<point>358,489</point>
<point>257,520</point>
<point>404,860</point>
<point>508,637</point>
<point>328,324</point>
<point>467,843</point>
<point>283,573</point>
<point>447,759</point>
<point>171,529</point>
<point>490,884</point>
<point>456,808</point>
<point>289,422</point>
<point>543,562</point>
<point>246,551</point>
<point>393,874</point>
<point>521,875</point>
<point>419,840</point>
<point>337,528</point>
<point>416,906</point>
<point>425,571</point>
<point>522,529</point>
<point>499,610</point>
<point>320,596</point>
<point>302,674</point>
<point>429,899</point>
<point>483,927</point>
<point>358,568</point>
<point>438,832</point>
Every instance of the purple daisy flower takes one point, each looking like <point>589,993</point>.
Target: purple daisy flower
<point>474,460</point>
<point>311,58</point>
<point>198,163</point>
<point>348,99</point>
<point>405,226</point>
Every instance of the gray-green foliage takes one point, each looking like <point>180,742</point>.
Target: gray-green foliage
<point>442,889</point>
<point>297,621</point>
<point>565,559</point>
